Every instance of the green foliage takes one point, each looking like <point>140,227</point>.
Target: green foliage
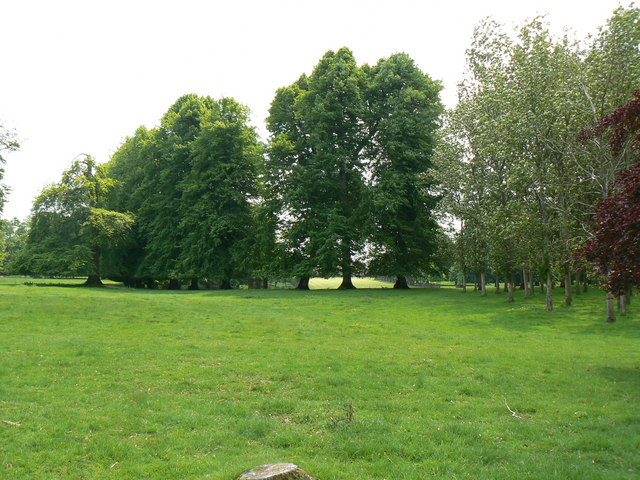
<point>193,184</point>
<point>115,383</point>
<point>8,142</point>
<point>346,167</point>
<point>69,229</point>
<point>509,167</point>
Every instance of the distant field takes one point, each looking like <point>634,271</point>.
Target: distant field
<point>367,384</point>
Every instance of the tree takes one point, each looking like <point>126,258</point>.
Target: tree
<point>403,109</point>
<point>69,229</point>
<point>218,191</point>
<point>348,141</point>
<point>615,246</point>
<point>13,234</point>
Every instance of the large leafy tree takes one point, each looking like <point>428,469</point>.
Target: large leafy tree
<point>218,191</point>
<point>192,183</point>
<point>402,112</point>
<point>348,141</point>
<point>317,164</point>
<point>70,228</point>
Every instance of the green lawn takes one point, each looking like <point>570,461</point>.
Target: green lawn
<point>368,384</point>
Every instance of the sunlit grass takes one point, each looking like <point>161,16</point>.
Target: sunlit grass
<point>119,384</point>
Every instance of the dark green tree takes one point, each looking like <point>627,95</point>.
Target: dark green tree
<point>217,220</point>
<point>403,108</point>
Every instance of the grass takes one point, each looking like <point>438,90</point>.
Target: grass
<point>368,384</point>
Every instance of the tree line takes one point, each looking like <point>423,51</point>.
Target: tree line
<point>341,188</point>
<point>362,168</point>
<point>511,170</point>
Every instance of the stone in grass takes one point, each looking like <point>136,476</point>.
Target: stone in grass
<point>276,471</point>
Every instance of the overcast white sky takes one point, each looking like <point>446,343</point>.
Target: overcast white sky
<point>78,76</point>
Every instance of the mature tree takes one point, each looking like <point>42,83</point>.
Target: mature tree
<point>348,141</point>
<point>317,160</point>
<point>403,108</point>
<point>70,229</point>
<point>217,221</point>
<point>192,183</point>
<point>165,168</point>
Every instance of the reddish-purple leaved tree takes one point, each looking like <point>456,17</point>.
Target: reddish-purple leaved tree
<point>615,246</point>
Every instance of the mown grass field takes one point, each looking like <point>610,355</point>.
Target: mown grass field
<point>369,384</point>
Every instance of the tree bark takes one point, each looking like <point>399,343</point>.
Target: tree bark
<point>401,282</point>
<point>549,291</point>
<point>622,304</point>
<point>611,314</point>
<point>511,286</point>
<point>483,283</point>
<point>265,283</point>
<point>568,288</point>
<point>347,283</point>
<point>193,285</point>
<point>303,284</point>
<point>497,284</point>
<point>525,281</point>
<point>464,280</point>
<point>93,281</point>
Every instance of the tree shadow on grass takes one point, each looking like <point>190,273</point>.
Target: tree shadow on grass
<point>628,375</point>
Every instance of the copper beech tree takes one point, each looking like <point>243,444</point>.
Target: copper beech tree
<point>615,246</point>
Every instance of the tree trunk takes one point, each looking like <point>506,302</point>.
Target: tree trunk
<point>225,284</point>
<point>464,281</point>
<point>532,287</point>
<point>174,284</point>
<point>401,282</point>
<point>611,314</point>
<point>568,288</point>
<point>511,286</point>
<point>303,284</point>
<point>497,284</point>
<point>151,284</point>
<point>265,283</point>
<point>622,304</point>
<point>578,284</point>
<point>585,283</point>
<point>549,291</point>
<point>193,285</point>
<point>525,281</point>
<point>346,284</point>
<point>476,282</point>
<point>93,281</point>
<point>483,283</point>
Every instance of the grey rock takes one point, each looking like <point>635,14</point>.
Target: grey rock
<point>276,471</point>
